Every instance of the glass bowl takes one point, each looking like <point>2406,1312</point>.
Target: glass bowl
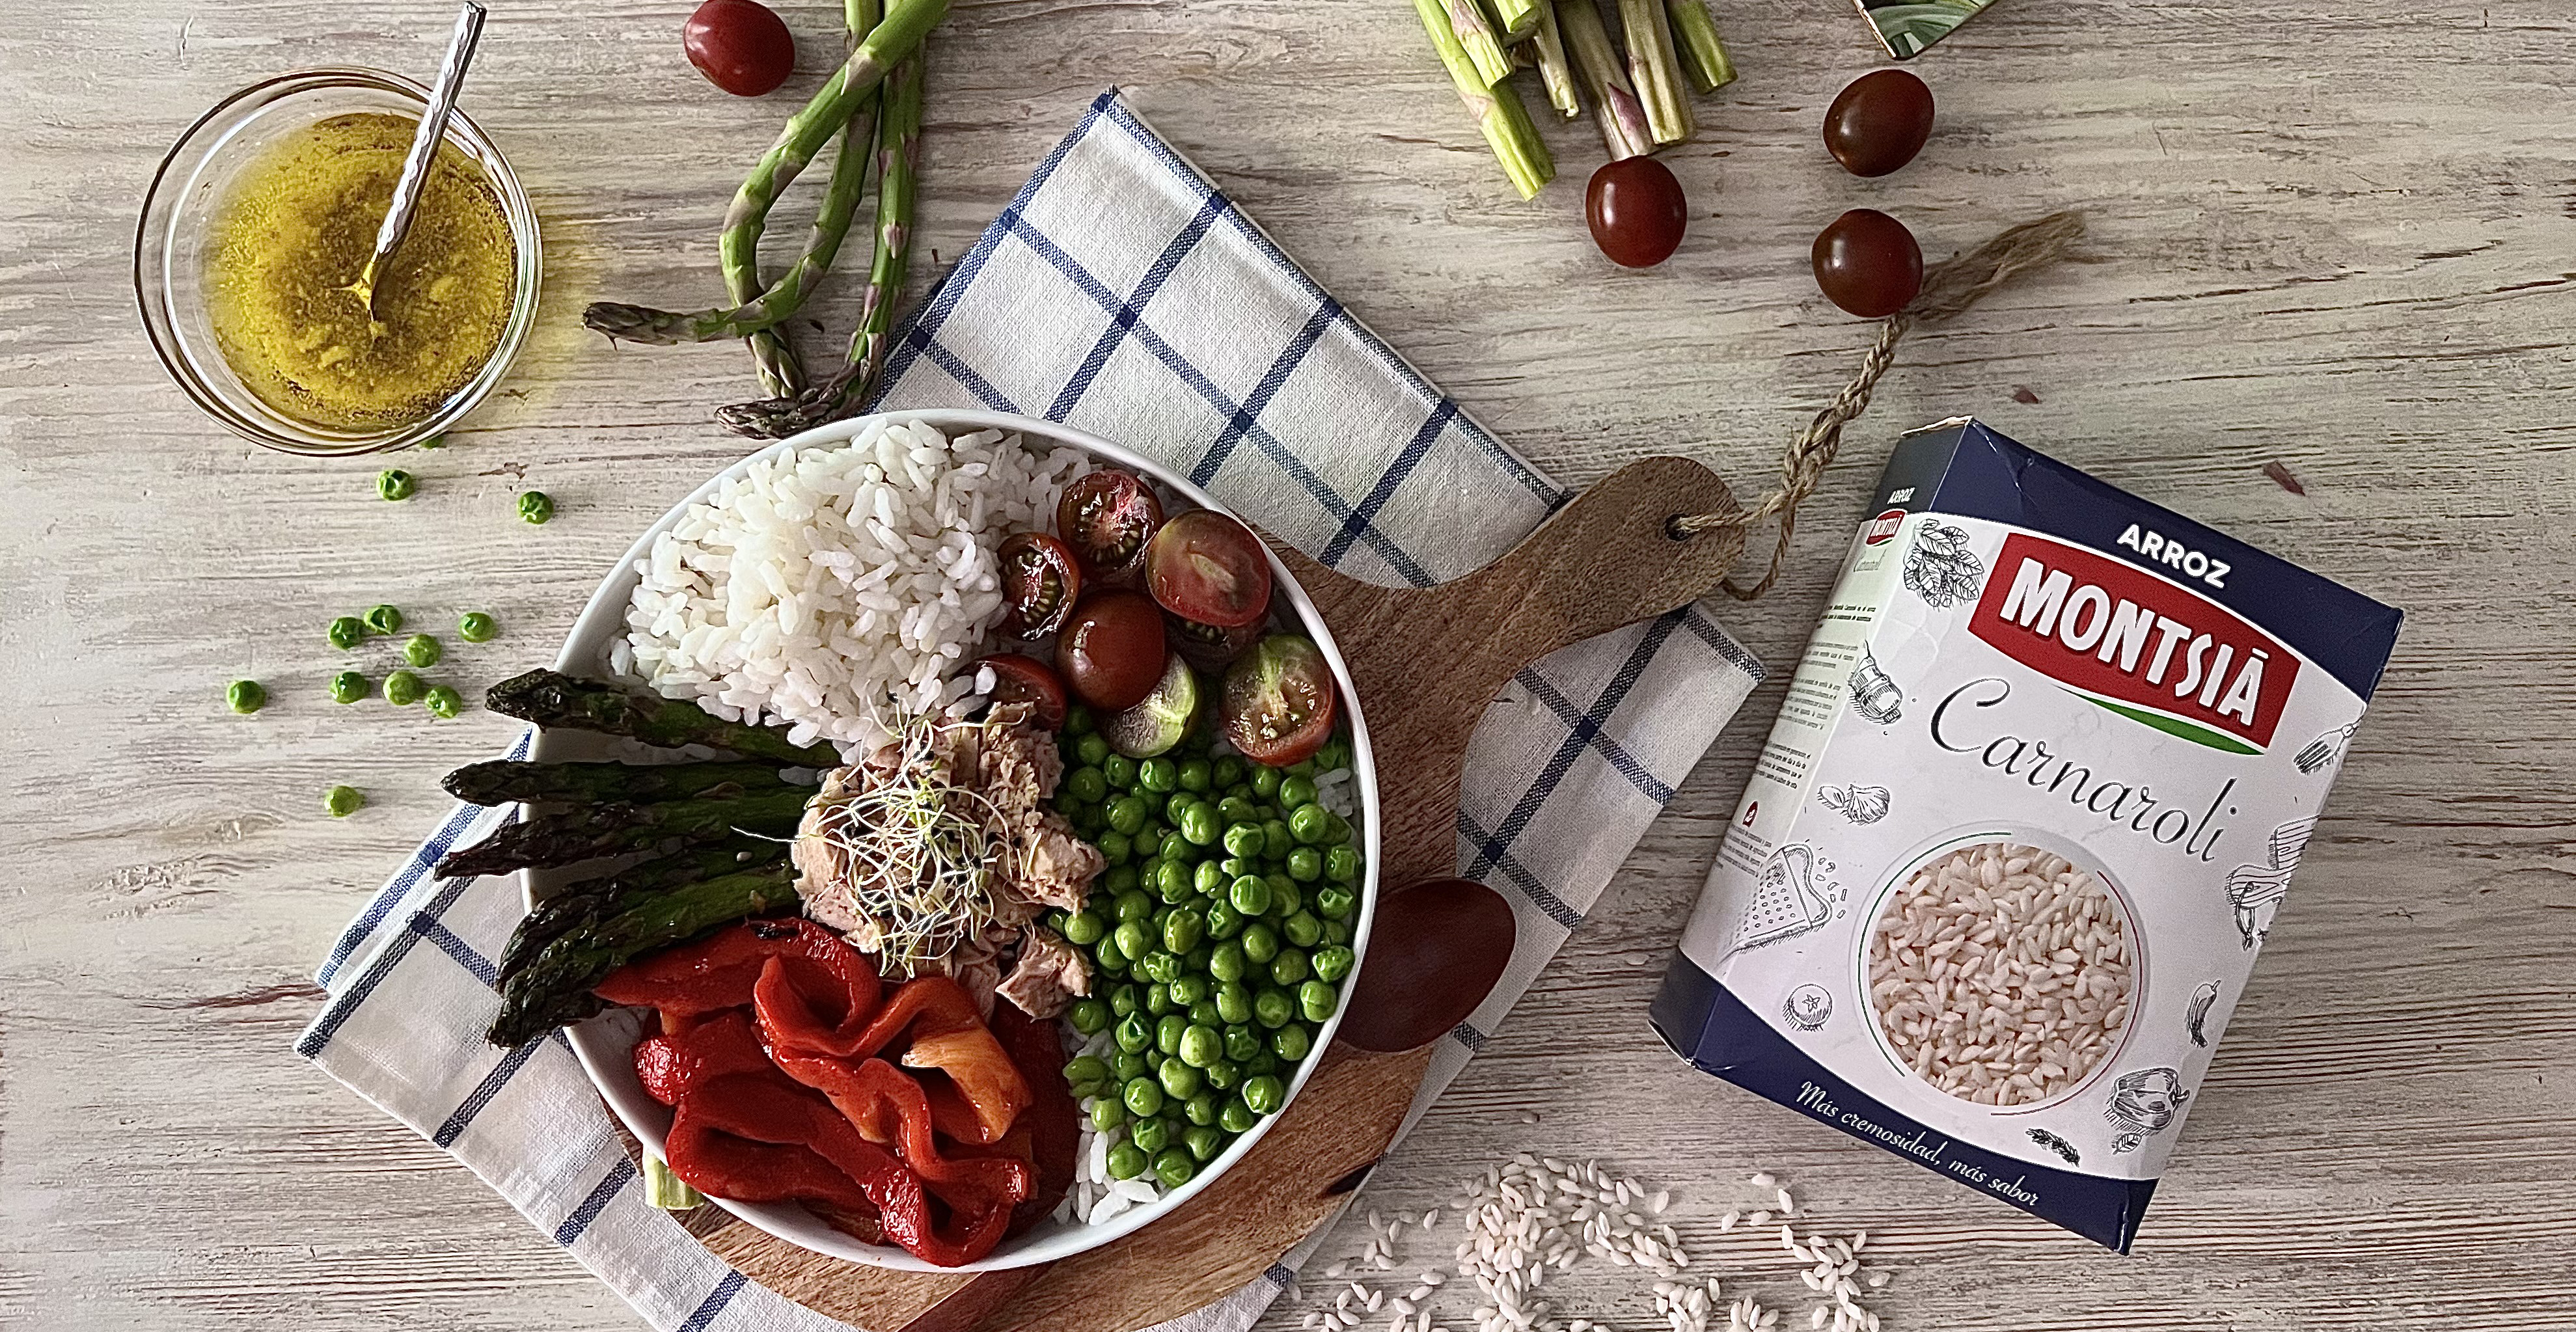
<point>171,239</point>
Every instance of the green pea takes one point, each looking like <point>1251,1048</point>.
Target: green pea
<point>1126,999</point>
<point>394,483</point>
<point>1125,878</point>
<point>1337,932</point>
<point>1260,1065</point>
<point>1264,1094</point>
<point>1093,751</point>
<point>1334,902</point>
<point>1158,775</point>
<point>1260,943</point>
<point>1133,1033</point>
<point>1107,1114</point>
<point>402,689</point>
<point>1316,1001</point>
<point>1243,840</point>
<point>422,651</point>
<point>1236,1117</point>
<point>1205,1141</point>
<point>1086,1068</point>
<point>1188,989</point>
<point>1126,1161</point>
<point>1175,1167</point>
<point>1302,929</point>
<point>1132,937</point>
<point>1150,1135</point>
<point>1289,968</point>
<point>1249,895</point>
<point>1180,1079</point>
<point>1144,1096</point>
<point>1079,721</point>
<point>1127,814</point>
<point>1183,929</point>
<point>1223,921</point>
<point>1276,839</point>
<point>1305,864</point>
<point>443,701</point>
<point>1160,966</point>
<point>1196,775</point>
<point>1273,1008</point>
<point>535,506</point>
<point>1134,906</point>
<point>1223,1074</point>
<point>1167,1032</point>
<point>348,687</point>
<point>245,696</point>
<point>342,801</point>
<point>1085,927</point>
<point>384,619</point>
<point>1158,999</point>
<point>1310,823</point>
<point>1200,825</point>
<point>1234,1002</point>
<point>1342,864</point>
<point>1200,1109</point>
<point>1089,1016</point>
<point>1285,900</point>
<point>1176,847</point>
<point>1086,784</point>
<point>1295,791</point>
<point>1204,1014</point>
<point>1332,962</point>
<point>1208,879</point>
<point>1226,772</point>
<point>476,627</point>
<point>1227,962</point>
<point>1235,867</point>
<point>1126,1066</point>
<point>347,632</point>
<point>1291,1042</point>
<point>1265,782</point>
<point>1109,955</point>
<point>1201,1046</point>
<point>1241,1042</point>
<point>1174,805</point>
<point>1118,768</point>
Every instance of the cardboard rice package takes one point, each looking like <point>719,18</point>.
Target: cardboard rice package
<point>2034,797</point>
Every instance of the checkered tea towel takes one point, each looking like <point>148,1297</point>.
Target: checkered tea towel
<point>1123,293</point>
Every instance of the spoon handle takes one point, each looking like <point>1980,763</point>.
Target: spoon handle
<point>424,143</point>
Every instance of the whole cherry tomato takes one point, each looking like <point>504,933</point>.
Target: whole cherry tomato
<point>1636,210</point>
<point>1879,122</point>
<point>742,46</point>
<point>1112,652</point>
<point>1867,263</point>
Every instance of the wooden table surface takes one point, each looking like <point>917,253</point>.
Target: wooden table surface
<point>2337,243</point>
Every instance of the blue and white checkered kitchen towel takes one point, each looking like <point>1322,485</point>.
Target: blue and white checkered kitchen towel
<point>1123,293</point>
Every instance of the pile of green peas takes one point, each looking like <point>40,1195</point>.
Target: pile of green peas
<point>1219,938</point>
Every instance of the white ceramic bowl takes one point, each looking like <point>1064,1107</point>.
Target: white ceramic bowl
<point>605,1044</point>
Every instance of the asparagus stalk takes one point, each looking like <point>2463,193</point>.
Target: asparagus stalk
<point>581,905</point>
<point>616,829</point>
<point>1655,71</point>
<point>1703,56</point>
<point>666,1190</point>
<point>1475,35</point>
<point>1497,108</point>
<point>1516,19</point>
<point>1553,69</point>
<point>898,170</point>
<point>554,988</point>
<point>1615,107</point>
<point>503,781</point>
<point>550,698</point>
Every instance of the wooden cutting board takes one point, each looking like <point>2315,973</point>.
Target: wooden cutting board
<point>1426,663</point>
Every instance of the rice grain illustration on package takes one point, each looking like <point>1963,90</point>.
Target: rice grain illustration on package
<point>2097,736</point>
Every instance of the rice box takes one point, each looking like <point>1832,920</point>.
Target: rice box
<point>2036,792</point>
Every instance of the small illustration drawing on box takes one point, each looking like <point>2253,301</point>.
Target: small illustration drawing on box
<point>2195,1018</point>
<point>1786,901</point>
<point>1874,695</point>
<point>2254,892</point>
<point>2142,1103</point>
<point>1860,804</point>
<point>2061,1146</point>
<point>2325,750</point>
<point>1939,568</point>
<point>1808,1007</point>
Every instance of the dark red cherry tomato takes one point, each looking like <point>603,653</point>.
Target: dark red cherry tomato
<point>1278,701</point>
<point>1209,646</point>
<point>1879,122</point>
<point>1040,583</point>
<point>1018,679</point>
<point>1207,567</point>
<point>1112,652</point>
<point>1636,210</point>
<point>742,46</point>
<point>1868,263</point>
<point>1109,517</point>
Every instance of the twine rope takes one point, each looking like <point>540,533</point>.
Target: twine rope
<point>1947,290</point>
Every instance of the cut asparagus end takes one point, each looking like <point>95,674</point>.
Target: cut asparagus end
<point>1655,71</point>
<point>1497,108</point>
<point>1517,18</point>
<point>1477,38</point>
<point>666,1190</point>
<point>1554,69</point>
<point>1703,57</point>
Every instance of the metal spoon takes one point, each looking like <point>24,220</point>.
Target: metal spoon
<point>424,149</point>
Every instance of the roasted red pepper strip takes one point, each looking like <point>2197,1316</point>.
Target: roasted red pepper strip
<point>1051,1124</point>
<point>720,971</point>
<point>886,1106</point>
<point>669,1064</point>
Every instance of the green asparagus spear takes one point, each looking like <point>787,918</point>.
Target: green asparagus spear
<point>1478,42</point>
<point>616,829</point>
<point>502,781</point>
<point>589,901</point>
<point>1517,18</point>
<point>1554,71</point>
<point>1703,56</point>
<point>898,161</point>
<point>1654,69</point>
<point>1615,107</point>
<point>1497,108</point>
<point>553,699</point>
<point>554,988</point>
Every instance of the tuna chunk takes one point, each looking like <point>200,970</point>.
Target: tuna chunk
<point>1049,977</point>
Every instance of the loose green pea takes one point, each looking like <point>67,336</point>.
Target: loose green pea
<point>1264,1063</point>
<point>1236,1117</point>
<point>1303,929</point>
<point>1223,921</point>
<point>1273,1008</point>
<point>1204,1014</point>
<point>1200,1109</point>
<point>1291,1042</point>
<point>443,701</point>
<point>1176,847</point>
<point>1205,1141</point>
<point>1094,753</point>
<point>1126,1160</point>
<point>1332,962</point>
<point>1310,823</point>
<point>1126,999</point>
<point>1342,864</point>
<point>1197,775</point>
<point>1086,1068</point>
<point>1115,847</point>
<point>342,801</point>
<point>1265,782</point>
<point>347,632</point>
<point>1234,1002</point>
<point>1107,1114</point>
<point>1183,929</point>
<point>1276,839</point>
<point>1134,906</point>
<point>1158,998</point>
<point>1144,1096</point>
<point>1109,955</point>
<point>1150,1135</point>
<point>1335,902</point>
<point>1227,963</point>
<point>1235,867</point>
<point>1158,775</point>
<point>245,696</point>
<point>1201,1046</point>
<point>1078,720</point>
<point>1085,927</point>
<point>1337,932</point>
<point>1304,767</point>
<point>1089,1016</point>
<point>1305,864</point>
<point>1200,825</point>
<point>1188,989</point>
<point>1133,1034</point>
<point>422,651</point>
<point>1087,785</point>
<point>1208,880</point>
<point>1176,804</point>
<point>402,689</point>
<point>1243,840</point>
<point>476,627</point>
<point>1167,1032</point>
<point>394,483</point>
<point>1126,1066</point>
<point>1121,879</point>
<point>1289,968</point>
<point>1264,1094</point>
<point>535,506</point>
<point>1223,1074</point>
<point>1316,1000</point>
<point>1226,772</point>
<point>1133,938</point>
<point>348,687</point>
<point>1159,966</point>
<point>1127,814</point>
<point>1175,1167</point>
<point>1295,791</point>
<point>1260,943</point>
<point>1285,900</point>
<point>1180,1079</point>
<point>1249,895</point>
<point>384,619</point>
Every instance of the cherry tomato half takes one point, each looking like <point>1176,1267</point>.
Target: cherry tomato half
<point>742,46</point>
<point>1879,122</point>
<point>1209,646</point>
<point>1278,701</point>
<point>1112,651</point>
<point>1207,567</point>
<point>1636,210</point>
<point>1868,263</point>
<point>1018,679</point>
<point>1108,517</point>
<point>1039,584</point>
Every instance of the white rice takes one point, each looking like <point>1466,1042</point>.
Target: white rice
<point>1095,1197</point>
<point>831,587</point>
